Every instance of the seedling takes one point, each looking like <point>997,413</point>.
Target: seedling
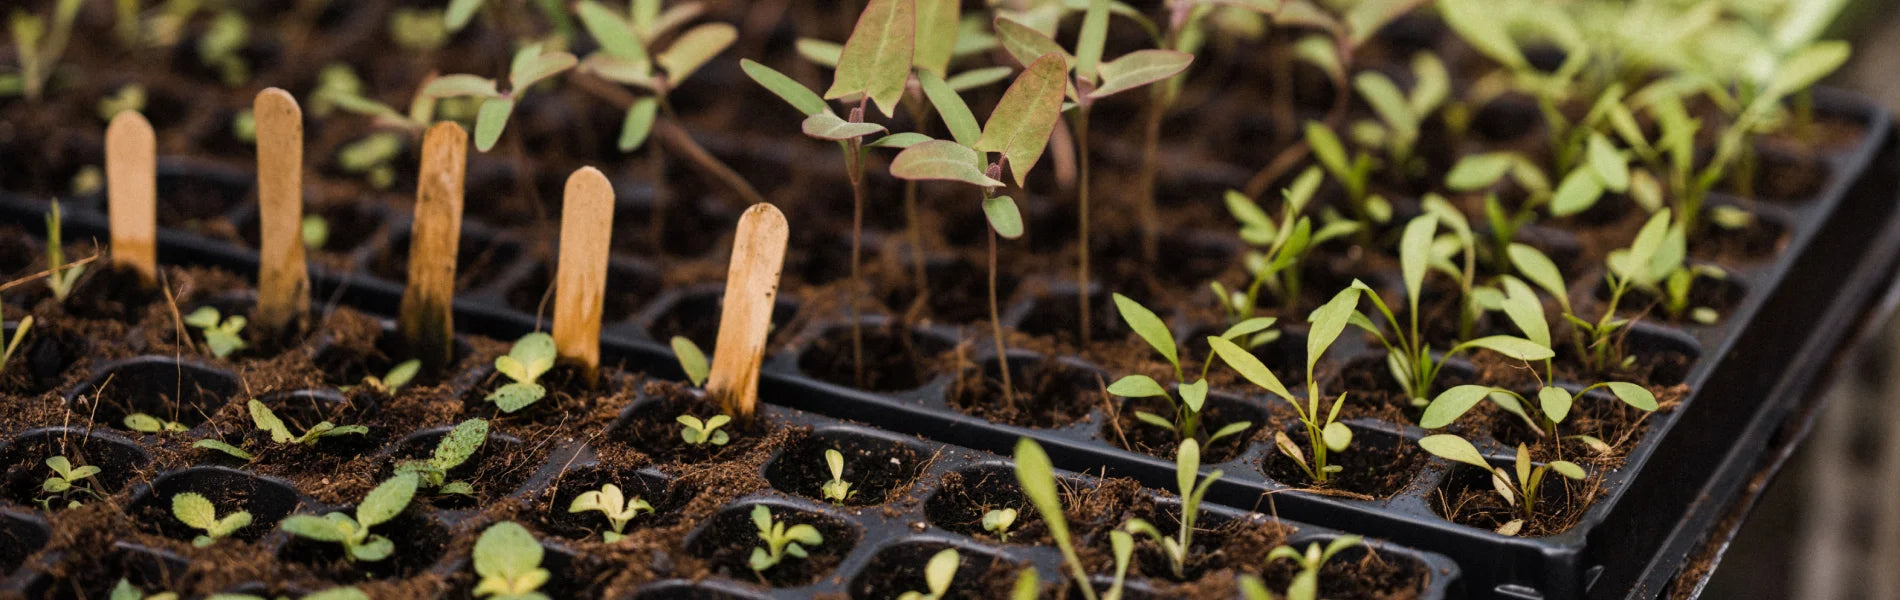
<point>508,559</point>
<point>837,490</point>
<point>124,590</point>
<point>780,540</point>
<point>267,421</point>
<point>612,504</point>
<point>1280,249</point>
<point>60,277</point>
<point>1186,421</point>
<point>1401,114</point>
<point>68,479</point>
<point>315,230</point>
<point>938,574</point>
<point>456,448</point>
<point>1037,477</point>
<point>13,345</point>
<point>196,512</point>
<point>392,381</point>
<point>700,433</point>
<point>1354,174</point>
<point>1521,492</point>
<point>129,97</point>
<point>1323,434</point>
<point>1654,263</point>
<point>1407,354</point>
<point>38,49</point>
<point>1305,584</point>
<point>218,48</point>
<point>1018,129</point>
<point>692,361</point>
<point>378,507</point>
<point>530,65</point>
<point>221,333</point>
<point>1187,467</point>
<point>144,423</point>
<point>998,521</point>
<point>1553,404</point>
<point>531,357</point>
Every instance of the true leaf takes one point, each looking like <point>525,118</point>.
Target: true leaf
<point>941,160</point>
<point>1019,128</point>
<point>876,58</point>
<point>1003,216</point>
<point>1451,404</point>
<point>799,96</point>
<point>639,123</point>
<point>955,113</point>
<point>694,48</point>
<point>1027,45</point>
<point>1140,68</point>
<point>937,25</point>
<point>1633,395</point>
<point>1137,386</point>
<point>1455,448</point>
<point>194,510</point>
<point>828,126</point>
<point>1149,326</point>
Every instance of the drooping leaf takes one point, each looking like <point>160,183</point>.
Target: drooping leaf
<point>1139,68</point>
<point>694,48</point>
<point>1019,128</point>
<point>1512,346</point>
<point>828,126</point>
<point>799,96</point>
<point>941,160</point>
<point>876,58</point>
<point>1454,448</point>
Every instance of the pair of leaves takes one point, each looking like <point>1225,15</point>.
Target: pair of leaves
<point>65,475</point>
<point>781,539</point>
<point>1305,583</point>
<point>197,512</point>
<point>508,559</point>
<point>611,503</point>
<point>699,432</point>
<point>1659,249</point>
<point>144,423</point>
<point>222,335</point>
<point>1018,128</point>
<point>379,506</point>
<point>532,356</point>
<point>267,421</point>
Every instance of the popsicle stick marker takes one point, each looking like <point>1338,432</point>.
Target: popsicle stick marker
<point>283,283</point>
<point>132,194</point>
<point>580,278</point>
<point>758,252</point>
<point>427,326</point>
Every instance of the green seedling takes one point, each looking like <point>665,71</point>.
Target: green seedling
<point>335,593</point>
<point>37,48</point>
<point>530,358</point>
<point>373,158</point>
<point>1089,79</point>
<point>315,230</point>
<point>1408,355</point>
<point>144,423</point>
<point>1401,115</point>
<point>692,360</point>
<point>508,559</point>
<point>1187,467</point>
<point>456,448</point>
<point>68,479</point>
<point>1028,585</point>
<point>1037,476</point>
<point>1018,130</point>
<point>1521,492</point>
<point>129,97</point>
<point>1543,416</point>
<point>268,422</point>
<point>998,521</point>
<point>13,345</point>
<point>699,433</point>
<point>222,334</point>
<point>216,445</point>
<point>1186,421</point>
<point>418,29</point>
<point>244,128</point>
<point>612,504</point>
<point>60,277</point>
<point>378,507</point>
<point>530,65</point>
<point>938,574</point>
<point>837,489</point>
<point>781,540</point>
<point>1654,263</point>
<point>1324,433</point>
<point>196,512</point>
<point>1353,173</point>
<point>1305,583</point>
<point>1279,249</point>
<point>124,590</point>
<point>220,46</point>
<point>631,54</point>
<point>398,376</point>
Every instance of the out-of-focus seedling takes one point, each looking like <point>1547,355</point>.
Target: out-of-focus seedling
<point>37,48</point>
<point>378,507</point>
<point>221,333</point>
<point>66,481</point>
<point>612,504</point>
<point>530,358</point>
<point>508,559</point>
<point>456,447</point>
<point>1305,583</point>
<point>781,540</point>
<point>837,489</point>
<point>128,97</point>
<point>144,423</point>
<point>1401,114</point>
<point>316,231</point>
<point>196,512</point>
<point>13,345</point>
<point>531,65</point>
<point>219,47</point>
<point>938,574</point>
<point>1037,477</point>
<point>124,590</point>
<point>1521,492</point>
<point>1280,249</point>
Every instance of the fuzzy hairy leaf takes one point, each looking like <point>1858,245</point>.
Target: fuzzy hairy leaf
<point>194,510</point>
<point>387,500</point>
<point>507,553</point>
<point>876,58</point>
<point>513,397</point>
<point>1019,128</point>
<point>220,446</point>
<point>332,527</point>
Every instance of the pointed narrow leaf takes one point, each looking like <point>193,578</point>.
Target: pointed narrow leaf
<point>614,34</point>
<point>387,500</point>
<point>450,86</point>
<point>976,78</point>
<point>1019,128</point>
<point>1453,403</point>
<point>876,58</point>
<point>1249,366</point>
<point>941,160</point>
<point>1328,321</point>
<point>1090,40</point>
<point>1027,45</point>
<point>956,115</point>
<point>1148,326</point>
<point>1036,475</point>
<point>489,122</point>
<point>1140,68</point>
<point>827,126</point>
<point>937,25</point>
<point>638,124</point>
<point>1512,346</point>
<point>1415,250</point>
<point>793,93</point>
<point>694,48</point>
<point>899,140</point>
<point>1454,448</point>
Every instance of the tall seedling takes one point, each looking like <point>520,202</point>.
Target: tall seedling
<point>37,48</point>
<point>1018,130</point>
<point>1037,476</point>
<point>530,65</point>
<point>1186,421</point>
<point>1091,80</point>
<point>1324,433</point>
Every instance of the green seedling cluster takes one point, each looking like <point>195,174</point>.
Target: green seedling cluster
<point>837,490</point>
<point>1305,583</point>
<point>781,540</point>
<point>378,507</point>
<point>196,512</point>
<point>1279,249</point>
<point>613,505</point>
<point>222,334</point>
<point>68,483</point>
<point>460,444</point>
<point>531,65</point>
<point>38,46</point>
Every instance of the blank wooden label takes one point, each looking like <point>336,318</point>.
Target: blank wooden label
<point>427,321</point>
<point>131,193</point>
<point>580,281</point>
<point>758,252</point>
<point>283,293</point>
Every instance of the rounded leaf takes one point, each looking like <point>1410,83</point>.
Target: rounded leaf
<point>194,510</point>
<point>1337,435</point>
<point>942,160</point>
<point>1555,402</point>
<point>1003,216</point>
<point>506,549</point>
<point>1633,395</point>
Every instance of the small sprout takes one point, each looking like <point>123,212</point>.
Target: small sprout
<point>530,358</point>
<point>455,448</point>
<point>220,45</point>
<point>196,512</point>
<point>998,521</point>
<point>267,421</point>
<point>60,278</point>
<point>124,590</point>
<point>837,490</point>
<point>1187,467</point>
<point>398,376</point>
<point>509,561</point>
<point>938,574</point>
<point>700,433</point>
<point>1521,492</point>
<point>144,423</point>
<point>67,478</point>
<point>221,333</point>
<point>1305,584</point>
<point>613,505</point>
<point>692,361</point>
<point>244,126</point>
<point>1354,175</point>
<point>378,507</point>
<point>130,97</point>
<point>780,540</point>
<point>13,345</point>
<point>316,231</point>
<point>1186,421</point>
<point>530,66</point>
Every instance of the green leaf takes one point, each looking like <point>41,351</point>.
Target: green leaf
<point>820,52</point>
<point>194,511</point>
<point>614,34</point>
<point>1801,70</point>
<point>1453,403</point>
<point>976,78</point>
<point>799,96</point>
<point>1577,193</point>
<point>950,106</point>
<point>1567,469</point>
<point>266,420</point>
<point>1003,216</point>
<point>937,25</point>
<point>506,550</point>
<point>693,49</point>
<point>942,160</point>
<point>1328,321</point>
<point>1610,166</point>
<point>1194,394</point>
<point>1149,327</point>
<point>460,444</point>
<point>1249,366</point>
<point>1337,436</point>
<point>489,123</point>
<point>899,140</point>
<point>1454,448</point>
<point>691,360</point>
<point>1415,251</point>
<point>516,396</point>
<point>1321,52</point>
<point>1019,128</point>
<point>1478,171</point>
<point>1090,40</point>
<point>1555,402</point>
<point>374,550</point>
<point>386,501</point>
<point>1477,22</point>
<point>639,123</point>
<point>1539,269</point>
<point>1327,149</point>
<point>876,58</point>
<point>1137,386</point>
<point>827,126</point>
<point>1037,477</point>
<point>531,65</point>
<point>220,446</point>
<point>1139,68</point>
<point>205,317</point>
<point>1633,395</point>
<point>1027,45</point>
<point>1386,100</point>
<point>333,527</point>
<point>1525,310</point>
<point>1512,346</point>
<point>1247,327</point>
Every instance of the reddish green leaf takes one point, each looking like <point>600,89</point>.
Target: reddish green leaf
<point>694,48</point>
<point>1140,68</point>
<point>937,24</point>
<point>1019,128</point>
<point>876,58</point>
<point>942,160</point>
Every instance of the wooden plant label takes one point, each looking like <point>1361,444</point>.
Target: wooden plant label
<point>283,284</point>
<point>580,278</point>
<point>427,323</point>
<point>131,193</point>
<point>758,252</point>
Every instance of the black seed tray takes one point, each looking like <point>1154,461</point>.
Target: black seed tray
<point>1786,318</point>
